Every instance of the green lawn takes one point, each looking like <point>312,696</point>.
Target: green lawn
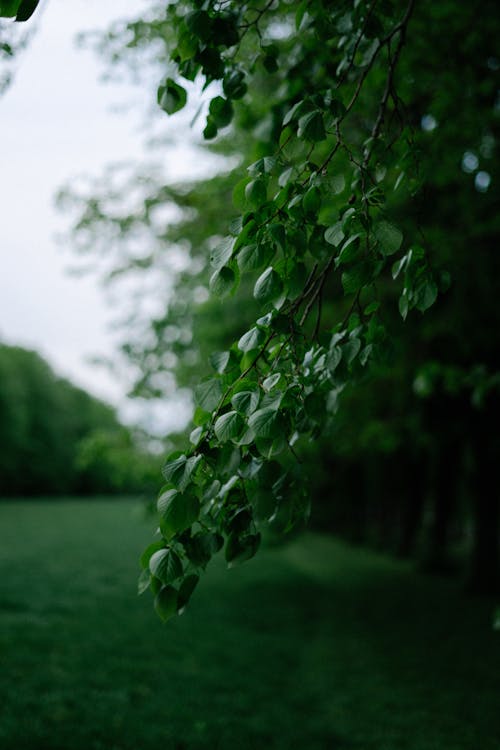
<point>312,646</point>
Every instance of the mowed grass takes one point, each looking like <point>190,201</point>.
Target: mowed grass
<point>314,645</point>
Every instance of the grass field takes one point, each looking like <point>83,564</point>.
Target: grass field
<point>312,646</point>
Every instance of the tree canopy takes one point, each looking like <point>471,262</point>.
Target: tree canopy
<point>365,197</point>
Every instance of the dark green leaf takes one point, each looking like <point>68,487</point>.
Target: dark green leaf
<point>149,551</point>
<point>268,286</point>
<point>166,603</point>
<point>166,566</point>
<point>171,96</point>
<point>221,254</point>
<point>234,85</point>
<point>389,237</point>
<point>185,591</point>
<point>219,360</point>
<point>221,111</point>
<point>177,512</point>
<point>256,192</point>
<point>208,394</point>
<point>241,548</point>
<point>334,234</point>
<point>311,127</point>
<point>228,426</point>
<point>245,402</point>
<point>222,281</point>
<point>265,423</point>
<point>26,9</point>
<point>251,340</point>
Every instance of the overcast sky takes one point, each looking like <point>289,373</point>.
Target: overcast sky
<point>56,121</point>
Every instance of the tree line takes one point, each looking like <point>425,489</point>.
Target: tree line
<point>56,439</point>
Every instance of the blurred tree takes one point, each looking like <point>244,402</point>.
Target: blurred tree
<point>368,132</point>
<point>57,439</point>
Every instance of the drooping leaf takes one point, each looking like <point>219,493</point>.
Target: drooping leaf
<point>171,96</point>
<point>166,603</point>
<point>240,548</point>
<point>265,423</point>
<point>222,281</point>
<point>334,234</point>
<point>208,393</point>
<point>177,511</point>
<point>185,591</point>
<point>251,340</point>
<point>245,402</point>
<point>268,286</point>
<point>26,9</point>
<point>166,565</point>
<point>389,237</point>
<point>228,426</point>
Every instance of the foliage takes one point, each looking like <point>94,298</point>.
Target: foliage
<point>56,439</point>
<point>362,142</point>
<point>314,645</point>
<point>21,10</point>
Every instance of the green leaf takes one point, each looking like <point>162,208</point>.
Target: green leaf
<point>241,548</point>
<point>219,360</point>
<point>26,9</point>
<point>399,265</point>
<point>270,382</point>
<point>265,165</point>
<point>245,402</point>
<point>210,131</point>
<point>185,591</point>
<point>357,277</point>
<point>311,127</point>
<point>268,286</point>
<point>350,250</point>
<point>149,551</point>
<point>250,258</point>
<point>234,85</point>
<point>256,192</point>
<point>221,111</point>
<point>171,96</point>
<point>222,281</point>
<point>298,110</point>
<point>265,423</point>
<point>166,565</point>
<point>202,546</point>
<point>228,426</point>
<point>426,296</point>
<point>195,435</point>
<point>199,23</point>
<point>178,511</point>
<point>334,357</point>
<point>278,235</point>
<point>350,350</point>
<point>9,9</point>
<point>207,394</point>
<point>222,252</point>
<point>174,469</point>
<point>389,237</point>
<point>311,201</point>
<point>334,234</point>
<point>403,306</point>
<point>251,340</point>
<point>166,603</point>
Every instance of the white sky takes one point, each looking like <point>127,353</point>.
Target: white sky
<point>56,121</point>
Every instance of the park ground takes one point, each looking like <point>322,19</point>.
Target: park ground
<point>314,645</point>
